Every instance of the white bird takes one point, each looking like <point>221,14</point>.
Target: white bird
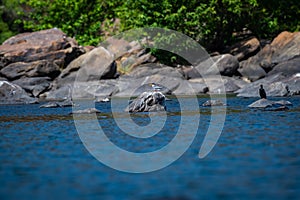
<point>155,87</point>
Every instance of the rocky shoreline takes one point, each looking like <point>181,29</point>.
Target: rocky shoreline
<point>45,65</point>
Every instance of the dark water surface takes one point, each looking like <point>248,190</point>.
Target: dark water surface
<point>256,157</point>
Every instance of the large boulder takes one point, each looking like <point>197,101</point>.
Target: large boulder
<point>86,70</point>
<point>34,85</point>
<point>33,69</point>
<point>97,64</point>
<point>155,68</point>
<point>13,94</point>
<point>51,45</point>
<point>227,65</point>
<point>147,102</point>
<point>32,60</point>
<point>251,71</point>
<point>245,49</point>
<point>283,48</point>
<point>287,68</point>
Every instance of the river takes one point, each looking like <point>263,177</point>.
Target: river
<point>256,156</point>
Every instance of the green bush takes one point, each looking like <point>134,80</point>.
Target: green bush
<point>8,13</point>
<point>214,23</point>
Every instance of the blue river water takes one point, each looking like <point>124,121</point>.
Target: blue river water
<point>256,157</point>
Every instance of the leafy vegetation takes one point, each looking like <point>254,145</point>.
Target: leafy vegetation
<point>214,23</point>
<point>8,12</point>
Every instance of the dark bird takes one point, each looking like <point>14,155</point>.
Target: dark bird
<point>262,92</point>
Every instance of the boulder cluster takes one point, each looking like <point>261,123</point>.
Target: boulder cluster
<point>50,65</point>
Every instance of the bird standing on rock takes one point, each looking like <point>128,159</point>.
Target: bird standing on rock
<point>262,92</point>
<point>155,87</point>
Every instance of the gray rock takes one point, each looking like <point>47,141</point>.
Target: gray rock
<point>51,45</point>
<point>217,84</point>
<point>39,68</point>
<point>58,104</point>
<point>153,69</point>
<point>13,94</point>
<point>283,48</point>
<point>50,105</point>
<point>213,102</point>
<point>59,94</point>
<point>135,60</point>
<point>34,85</point>
<point>86,111</point>
<point>245,49</point>
<point>93,66</point>
<point>251,70</point>
<point>98,64</point>
<point>94,89</point>
<point>147,102</point>
<point>293,84</point>
<point>265,103</point>
<point>275,85</point>
<point>227,65</point>
<point>261,103</point>
<point>287,68</point>
<point>187,87</point>
<point>134,87</point>
<point>68,75</point>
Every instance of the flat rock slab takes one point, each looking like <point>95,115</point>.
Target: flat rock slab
<point>265,103</point>
<point>86,111</point>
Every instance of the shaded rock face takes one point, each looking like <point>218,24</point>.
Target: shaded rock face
<point>284,48</point>
<point>147,102</point>
<point>13,94</point>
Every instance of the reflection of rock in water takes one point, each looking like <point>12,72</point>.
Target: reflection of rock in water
<point>148,101</point>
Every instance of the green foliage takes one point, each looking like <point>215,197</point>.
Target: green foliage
<point>86,20</point>
<point>8,13</point>
<point>213,23</point>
